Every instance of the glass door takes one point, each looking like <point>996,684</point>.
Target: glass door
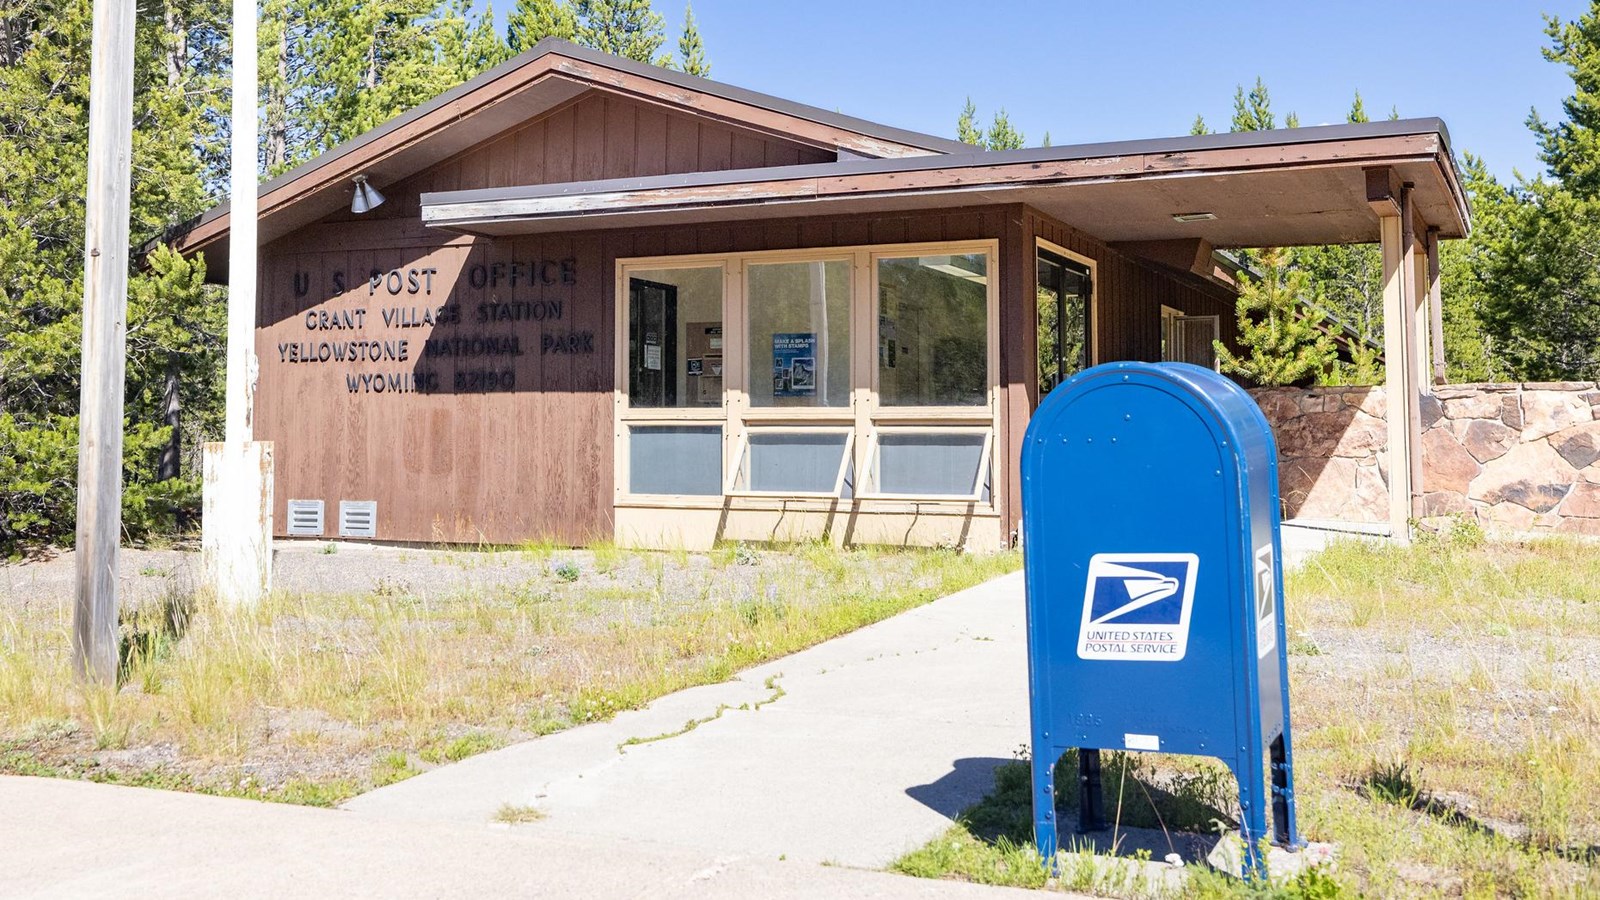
<point>1064,299</point>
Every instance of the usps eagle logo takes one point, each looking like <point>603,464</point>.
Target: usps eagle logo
<point>1136,606</point>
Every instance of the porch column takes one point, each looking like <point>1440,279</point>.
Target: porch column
<point>1387,198</point>
<point>1417,381</point>
<point>1436,307</point>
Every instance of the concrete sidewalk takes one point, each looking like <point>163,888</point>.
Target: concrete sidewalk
<point>877,740</point>
<point>72,839</point>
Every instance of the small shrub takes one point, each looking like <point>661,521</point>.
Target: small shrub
<point>566,570</point>
<point>512,814</point>
<point>1393,782</point>
<point>393,767</point>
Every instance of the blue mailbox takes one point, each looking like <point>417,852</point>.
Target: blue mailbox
<point>1155,586</point>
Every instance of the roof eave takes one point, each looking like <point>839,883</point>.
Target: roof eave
<point>568,60</point>
<point>1407,141</point>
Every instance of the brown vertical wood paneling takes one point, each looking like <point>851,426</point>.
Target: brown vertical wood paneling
<point>716,148</point>
<point>888,231</point>
<point>1017,361</point>
<point>816,233</point>
<point>560,147</point>
<point>650,136</point>
<point>749,151</point>
<point>683,144</point>
<point>621,139</point>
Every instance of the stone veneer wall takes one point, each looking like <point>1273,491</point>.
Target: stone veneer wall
<point>1515,457</point>
<point>1331,451</point>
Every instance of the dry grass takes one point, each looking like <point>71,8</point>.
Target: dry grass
<point>1447,732</point>
<point>1468,671</point>
<point>342,693</point>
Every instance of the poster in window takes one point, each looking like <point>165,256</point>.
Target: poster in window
<point>652,350</point>
<point>794,364</point>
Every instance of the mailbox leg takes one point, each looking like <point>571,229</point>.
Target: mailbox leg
<point>1284,829</point>
<point>1091,800</point>
<point>1044,802</point>
<point>1252,811</point>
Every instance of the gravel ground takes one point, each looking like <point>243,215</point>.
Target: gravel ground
<point>382,653</point>
<point>303,567</point>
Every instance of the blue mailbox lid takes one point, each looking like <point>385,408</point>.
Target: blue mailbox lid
<point>1156,483</point>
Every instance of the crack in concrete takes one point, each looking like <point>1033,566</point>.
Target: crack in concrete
<point>771,684</point>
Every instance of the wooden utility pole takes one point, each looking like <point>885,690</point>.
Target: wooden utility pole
<point>105,313</point>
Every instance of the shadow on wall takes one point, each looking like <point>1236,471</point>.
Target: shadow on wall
<point>1331,451</point>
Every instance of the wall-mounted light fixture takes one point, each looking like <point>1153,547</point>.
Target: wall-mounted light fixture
<point>367,197</point>
<point>1194,217</point>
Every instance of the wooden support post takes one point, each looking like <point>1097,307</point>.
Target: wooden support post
<point>1436,308</point>
<point>1414,280</point>
<point>236,512</point>
<point>1396,351</point>
<point>105,312</point>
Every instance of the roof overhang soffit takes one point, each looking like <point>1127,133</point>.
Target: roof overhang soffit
<point>1017,176</point>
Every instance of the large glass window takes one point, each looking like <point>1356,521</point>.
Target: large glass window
<point>788,402</point>
<point>799,333</point>
<point>933,346</point>
<point>675,337</point>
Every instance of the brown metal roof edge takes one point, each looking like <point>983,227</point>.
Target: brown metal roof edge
<point>977,159</point>
<point>972,158</point>
<point>556,46</point>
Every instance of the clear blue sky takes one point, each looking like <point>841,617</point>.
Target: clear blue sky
<point>1092,71</point>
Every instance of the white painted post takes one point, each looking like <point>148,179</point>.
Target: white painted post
<point>236,520</point>
<point>242,178</point>
<point>105,312</point>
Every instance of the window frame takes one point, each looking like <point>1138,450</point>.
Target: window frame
<point>1094,289</point>
<point>862,417</point>
<point>741,450</point>
<point>867,481</point>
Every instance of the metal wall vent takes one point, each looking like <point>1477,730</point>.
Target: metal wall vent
<point>358,518</point>
<point>306,517</point>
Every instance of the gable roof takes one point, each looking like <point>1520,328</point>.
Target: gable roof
<point>549,74</point>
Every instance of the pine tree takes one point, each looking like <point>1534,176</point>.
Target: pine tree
<point>1292,120</point>
<point>374,59</point>
<point>1199,127</point>
<point>44,86</point>
<point>1252,111</point>
<point>1571,148</point>
<point>1280,335</point>
<point>1534,245</point>
<point>691,51</point>
<point>967,130</point>
<point>1046,141</point>
<point>1001,136</point>
<point>1358,111</point>
<point>469,42</point>
<point>627,28</point>
<point>531,21</point>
